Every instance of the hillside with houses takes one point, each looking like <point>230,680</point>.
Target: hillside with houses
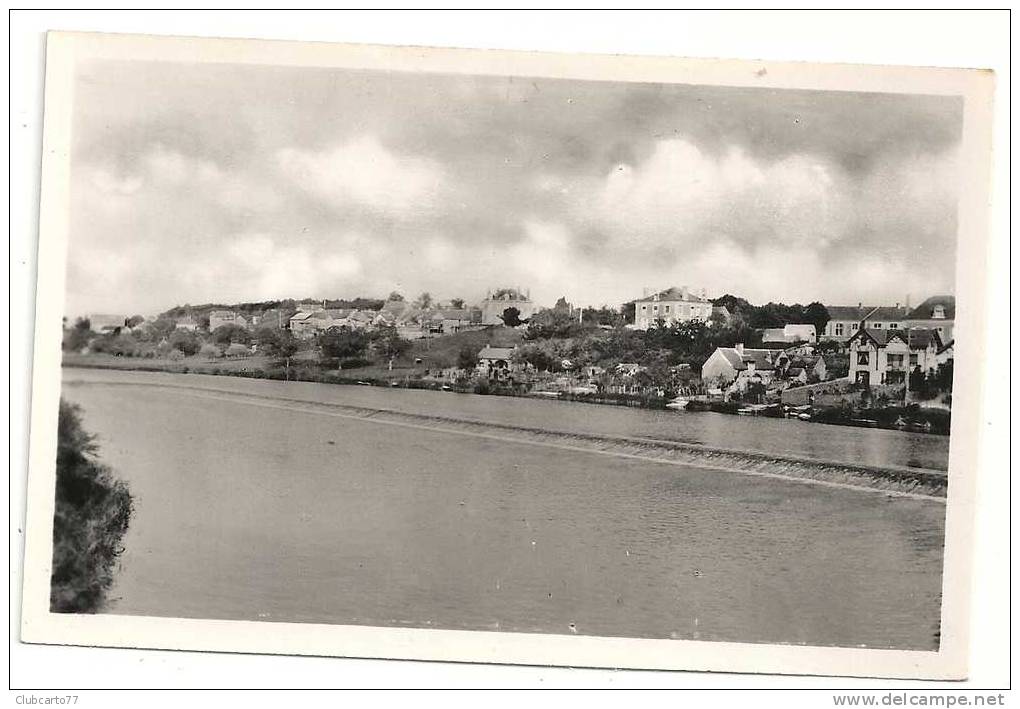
<point>674,348</point>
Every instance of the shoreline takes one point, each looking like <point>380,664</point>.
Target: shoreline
<point>301,372</point>
<point>891,480</point>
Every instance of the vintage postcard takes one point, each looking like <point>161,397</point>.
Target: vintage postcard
<point>507,357</point>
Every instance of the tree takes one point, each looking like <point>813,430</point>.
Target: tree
<point>237,350</point>
<point>543,356</point>
<point>562,305</point>
<point>275,343</point>
<point>342,343</point>
<point>134,321</point>
<point>628,312</point>
<point>185,342</point>
<point>550,323</point>
<point>79,335</point>
<point>229,334</point>
<point>424,301</point>
<point>511,317</point>
<point>818,315</point>
<point>457,303</point>
<point>163,326</point>
<point>396,296</point>
<point>467,358</point>
<point>603,315</point>
<point>387,343</point>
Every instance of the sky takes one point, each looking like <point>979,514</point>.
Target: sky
<point>199,183</point>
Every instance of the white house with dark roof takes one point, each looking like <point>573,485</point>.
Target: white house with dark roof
<point>671,306</point>
<point>496,362</point>
<point>845,320</point>
<point>884,356</point>
<point>728,364</point>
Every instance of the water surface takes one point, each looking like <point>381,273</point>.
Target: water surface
<point>248,512</point>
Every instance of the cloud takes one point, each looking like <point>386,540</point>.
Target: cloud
<point>681,195</point>
<point>363,172</point>
<point>326,187</point>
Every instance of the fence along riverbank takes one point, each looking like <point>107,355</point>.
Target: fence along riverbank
<point>918,483</point>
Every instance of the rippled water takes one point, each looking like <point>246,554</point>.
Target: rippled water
<point>248,512</point>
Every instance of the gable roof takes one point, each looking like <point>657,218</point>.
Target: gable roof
<point>880,336</point>
<point>673,294</point>
<point>300,316</point>
<point>887,313</point>
<point>924,310</point>
<point>854,313</point>
<point>762,358</point>
<point>920,337</point>
<point>489,352</point>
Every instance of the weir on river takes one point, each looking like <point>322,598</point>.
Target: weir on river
<point>361,505</point>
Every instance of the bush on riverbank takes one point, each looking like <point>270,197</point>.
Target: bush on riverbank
<point>92,513</point>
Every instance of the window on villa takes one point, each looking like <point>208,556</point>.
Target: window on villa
<point>878,325</point>
<point>644,308</point>
<point>938,312</point>
<point>895,361</point>
<point>853,326</point>
<point>655,308</point>
<point>862,358</point>
<point>839,328</point>
<point>913,360</point>
<point>893,326</point>
<point>667,308</point>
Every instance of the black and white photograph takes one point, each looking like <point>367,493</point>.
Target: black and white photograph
<point>583,352</point>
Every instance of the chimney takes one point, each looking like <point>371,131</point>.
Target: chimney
<point>683,292</point>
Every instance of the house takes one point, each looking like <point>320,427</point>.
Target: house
<point>186,322</point>
<point>936,313</point>
<point>925,345</point>
<point>219,318</point>
<point>496,363</point>
<point>445,321</point>
<point>789,333</point>
<point>104,323</point>
<point>805,369</point>
<point>844,320</point>
<point>496,303</point>
<point>887,318</point>
<point>884,356</point>
<point>303,325</point>
<point>671,306</point>
<point>362,319</point>
<point>728,364</point>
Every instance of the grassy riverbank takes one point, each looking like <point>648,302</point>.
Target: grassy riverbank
<point>91,515</point>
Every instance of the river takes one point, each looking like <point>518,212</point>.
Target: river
<point>251,510</point>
